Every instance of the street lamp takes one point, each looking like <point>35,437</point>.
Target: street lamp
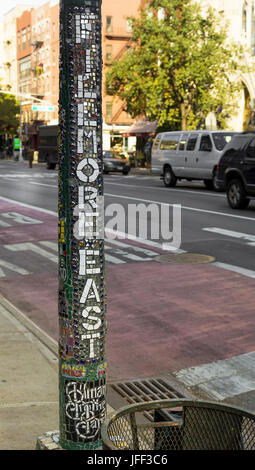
<point>20,129</point>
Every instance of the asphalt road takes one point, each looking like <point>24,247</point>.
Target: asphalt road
<point>208,225</point>
<point>164,315</point>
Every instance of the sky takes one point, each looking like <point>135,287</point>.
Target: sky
<point>6,7</point>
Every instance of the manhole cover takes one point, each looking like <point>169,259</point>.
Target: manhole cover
<point>185,258</point>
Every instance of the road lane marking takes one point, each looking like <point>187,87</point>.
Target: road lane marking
<point>29,206</point>
<point>51,245</point>
<point>113,259</point>
<point>142,241</point>
<point>11,267</point>
<point>235,269</point>
<point>44,184</point>
<point>112,232</point>
<point>20,218</point>
<point>135,248</point>
<point>123,235</point>
<point>231,233</point>
<point>27,175</point>
<point>34,248</point>
<point>194,209</point>
<point>204,193</point>
<point>4,224</point>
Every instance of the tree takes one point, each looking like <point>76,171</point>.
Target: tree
<point>9,110</point>
<point>179,67</point>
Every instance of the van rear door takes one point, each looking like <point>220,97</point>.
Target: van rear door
<point>156,161</point>
<point>169,154</point>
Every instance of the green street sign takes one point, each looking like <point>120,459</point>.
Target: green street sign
<point>16,144</point>
<point>37,107</point>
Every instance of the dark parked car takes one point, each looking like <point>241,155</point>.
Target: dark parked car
<point>236,170</point>
<point>114,163</point>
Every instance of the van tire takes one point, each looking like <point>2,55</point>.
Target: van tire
<point>50,165</point>
<point>169,178</point>
<point>208,184</point>
<point>212,184</point>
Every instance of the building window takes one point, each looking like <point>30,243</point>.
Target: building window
<point>23,38</point>
<point>109,24</point>
<point>161,13</point>
<point>109,110</point>
<point>108,54</point>
<point>18,40</point>
<point>129,25</point>
<point>28,35</point>
<point>244,18</point>
<point>25,68</point>
<point>253,31</point>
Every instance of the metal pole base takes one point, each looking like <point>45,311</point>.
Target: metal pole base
<point>49,441</point>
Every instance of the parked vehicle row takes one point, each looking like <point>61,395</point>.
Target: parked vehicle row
<point>224,160</point>
<point>190,155</point>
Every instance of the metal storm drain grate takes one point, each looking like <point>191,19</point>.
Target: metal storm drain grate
<point>144,390</point>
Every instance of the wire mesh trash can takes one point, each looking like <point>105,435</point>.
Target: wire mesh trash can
<point>201,425</point>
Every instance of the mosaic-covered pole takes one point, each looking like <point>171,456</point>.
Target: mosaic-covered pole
<point>82,325</point>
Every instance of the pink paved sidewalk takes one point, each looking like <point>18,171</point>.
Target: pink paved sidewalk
<point>161,317</point>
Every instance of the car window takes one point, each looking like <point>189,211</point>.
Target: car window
<point>192,142</point>
<point>251,149</point>
<point>221,139</point>
<point>205,143</point>
<point>238,143</point>
<point>108,154</point>
<point>183,141</point>
<point>169,142</point>
<point>156,142</point>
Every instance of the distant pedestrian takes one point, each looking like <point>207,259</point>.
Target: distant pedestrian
<point>30,158</point>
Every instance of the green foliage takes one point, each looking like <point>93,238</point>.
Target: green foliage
<point>9,110</point>
<point>179,68</point>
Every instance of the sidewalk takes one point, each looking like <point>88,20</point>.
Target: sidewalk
<point>29,398</point>
<point>141,171</point>
<point>29,381</point>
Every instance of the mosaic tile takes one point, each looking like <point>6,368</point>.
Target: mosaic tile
<point>82,324</point>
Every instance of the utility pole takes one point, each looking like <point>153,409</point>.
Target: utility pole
<point>82,324</point>
<point>20,130</point>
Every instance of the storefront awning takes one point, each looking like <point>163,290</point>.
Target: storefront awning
<point>140,129</point>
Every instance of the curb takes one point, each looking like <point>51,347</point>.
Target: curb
<point>43,337</point>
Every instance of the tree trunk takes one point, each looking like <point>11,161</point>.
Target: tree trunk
<point>183,117</point>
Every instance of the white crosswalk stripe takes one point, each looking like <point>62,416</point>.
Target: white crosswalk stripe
<point>231,233</point>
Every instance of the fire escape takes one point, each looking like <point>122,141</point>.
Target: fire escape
<point>108,62</point>
<point>37,88</point>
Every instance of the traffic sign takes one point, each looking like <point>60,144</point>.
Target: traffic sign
<point>38,107</point>
<point>16,142</point>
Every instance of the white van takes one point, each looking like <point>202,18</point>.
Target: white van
<point>191,155</point>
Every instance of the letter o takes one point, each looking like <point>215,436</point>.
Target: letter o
<point>87,162</point>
